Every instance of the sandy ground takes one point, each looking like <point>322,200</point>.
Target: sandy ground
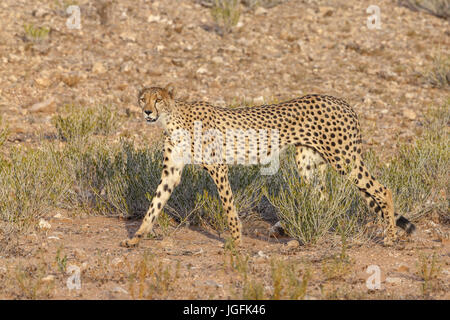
<point>191,263</point>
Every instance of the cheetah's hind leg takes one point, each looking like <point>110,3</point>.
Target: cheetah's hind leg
<point>311,167</point>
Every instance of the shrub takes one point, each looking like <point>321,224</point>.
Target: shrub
<point>226,14</point>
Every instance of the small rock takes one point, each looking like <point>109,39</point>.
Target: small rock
<point>128,36</point>
<point>198,252</point>
<point>177,62</point>
<point>53,238</point>
<point>80,254</point>
<point>71,80</point>
<point>260,11</point>
<point>98,68</point>
<point>202,70</point>
<point>127,66</point>
<point>43,82</point>
<point>48,105</point>
<point>49,278</point>
<point>393,280</point>
<point>258,100</point>
<point>212,283</point>
<point>84,266</point>
<point>277,229</point>
<point>403,268</point>
<point>293,244</point>
<point>409,114</point>
<point>117,262</point>
<point>58,216</point>
<point>40,12</point>
<point>262,254</point>
<point>120,290</point>
<point>152,18</point>
<point>326,11</point>
<point>43,224</point>
<point>217,59</point>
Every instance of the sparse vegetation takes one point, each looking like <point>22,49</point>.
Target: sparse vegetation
<point>150,279</point>
<point>61,261</point>
<point>418,173</point>
<point>262,3</point>
<point>3,132</point>
<point>428,268</point>
<point>117,179</point>
<point>226,14</point>
<point>287,279</point>
<point>439,8</point>
<point>439,73</point>
<point>307,214</point>
<point>35,34</point>
<point>78,123</point>
<point>31,283</point>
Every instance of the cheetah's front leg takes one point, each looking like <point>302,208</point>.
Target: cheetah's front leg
<point>170,178</point>
<point>219,173</point>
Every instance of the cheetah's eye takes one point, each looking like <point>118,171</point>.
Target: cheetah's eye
<point>158,100</point>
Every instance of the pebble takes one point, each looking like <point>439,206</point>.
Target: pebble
<point>43,224</point>
<point>213,283</point>
<point>120,290</point>
<point>258,100</point>
<point>403,268</point>
<point>260,11</point>
<point>393,280</point>
<point>409,114</point>
<point>43,82</point>
<point>202,70</point>
<point>48,105</point>
<point>293,244</point>
<point>98,68</point>
<point>117,262</point>
<point>49,278</point>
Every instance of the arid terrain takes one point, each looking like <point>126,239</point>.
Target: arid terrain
<point>392,76</point>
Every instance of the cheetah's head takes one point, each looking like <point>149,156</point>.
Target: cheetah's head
<point>156,102</point>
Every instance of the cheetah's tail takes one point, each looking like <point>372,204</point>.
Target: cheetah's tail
<point>404,223</point>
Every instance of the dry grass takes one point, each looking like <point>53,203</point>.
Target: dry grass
<point>97,176</point>
<point>438,74</point>
<point>428,269</point>
<point>226,14</point>
<point>287,280</point>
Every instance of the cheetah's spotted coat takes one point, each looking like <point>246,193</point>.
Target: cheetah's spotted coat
<point>324,129</point>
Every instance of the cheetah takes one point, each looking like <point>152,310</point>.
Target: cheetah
<point>325,131</point>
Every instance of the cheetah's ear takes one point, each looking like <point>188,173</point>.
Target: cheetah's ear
<point>170,88</point>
